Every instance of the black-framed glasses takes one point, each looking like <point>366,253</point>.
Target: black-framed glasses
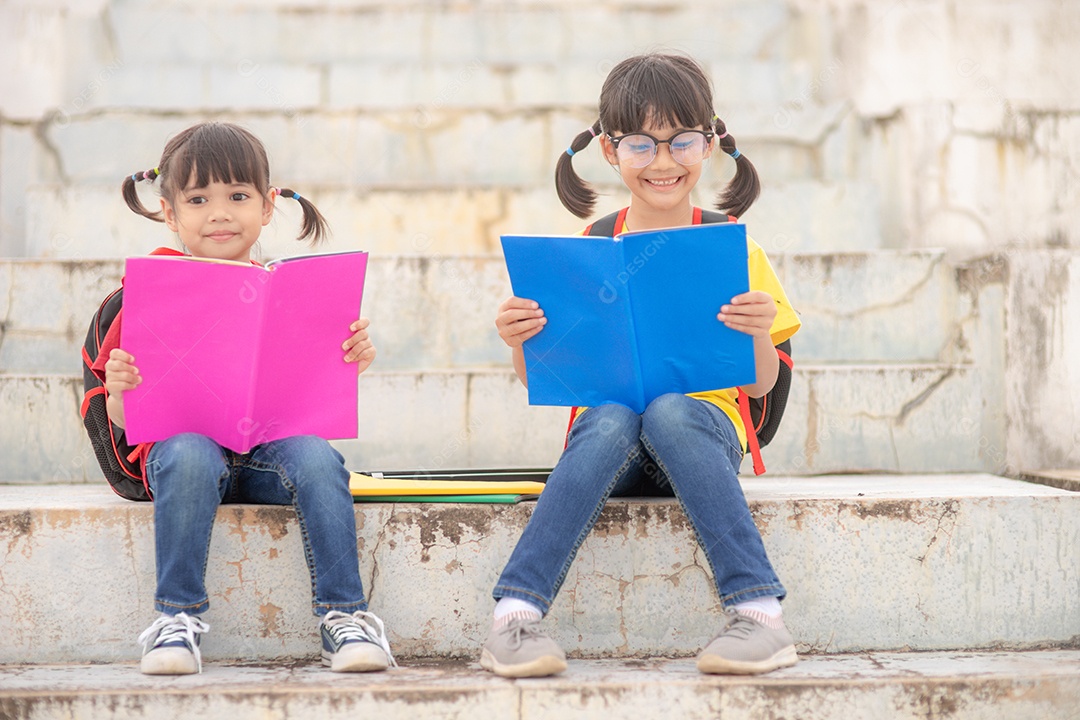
<point>638,149</point>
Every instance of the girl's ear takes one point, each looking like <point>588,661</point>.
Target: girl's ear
<point>608,148</point>
<point>169,215</point>
<point>709,148</point>
<point>268,207</point>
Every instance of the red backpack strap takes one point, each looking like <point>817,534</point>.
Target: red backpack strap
<point>751,436</point>
<point>574,411</point>
<point>711,217</point>
<point>609,225</point>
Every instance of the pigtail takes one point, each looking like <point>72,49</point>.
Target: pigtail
<point>314,226</point>
<point>131,194</point>
<point>744,188</point>
<point>576,195</point>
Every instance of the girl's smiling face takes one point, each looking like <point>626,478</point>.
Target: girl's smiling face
<point>661,189</point>
<point>222,220</point>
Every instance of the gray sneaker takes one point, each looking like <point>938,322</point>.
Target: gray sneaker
<point>521,649</point>
<point>747,647</point>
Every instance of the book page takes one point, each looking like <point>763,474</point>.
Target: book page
<point>192,329</point>
<point>304,386</point>
<point>678,279</point>
<point>585,355</point>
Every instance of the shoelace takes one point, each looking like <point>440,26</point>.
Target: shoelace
<point>735,623</point>
<point>343,627</point>
<point>519,630</point>
<point>180,627</point>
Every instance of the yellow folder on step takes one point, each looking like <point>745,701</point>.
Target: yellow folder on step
<point>366,485</point>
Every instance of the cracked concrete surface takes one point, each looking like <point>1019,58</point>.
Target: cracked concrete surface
<point>870,563</point>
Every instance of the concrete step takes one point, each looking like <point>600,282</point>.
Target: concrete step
<point>871,563</point>
<point>840,418</point>
<point>1066,479</point>
<point>409,146</point>
<point>435,311</point>
<point>370,54</point>
<point>91,221</point>
<point>899,686</point>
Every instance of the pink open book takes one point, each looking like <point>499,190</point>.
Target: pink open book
<point>241,353</point>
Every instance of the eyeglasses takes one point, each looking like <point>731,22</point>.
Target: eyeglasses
<point>638,149</point>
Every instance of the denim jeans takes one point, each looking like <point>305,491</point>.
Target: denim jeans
<point>190,475</point>
<point>679,446</point>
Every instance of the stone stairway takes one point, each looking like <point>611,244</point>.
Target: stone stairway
<point>898,686</point>
<point>874,391</point>
<point>925,580</point>
<point>910,597</point>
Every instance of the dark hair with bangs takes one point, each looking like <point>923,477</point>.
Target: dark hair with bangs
<point>668,90</point>
<point>216,152</point>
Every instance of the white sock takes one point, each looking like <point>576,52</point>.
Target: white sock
<point>768,605</point>
<point>765,610</point>
<point>509,608</point>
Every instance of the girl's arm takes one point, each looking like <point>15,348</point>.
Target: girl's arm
<point>518,320</point>
<point>753,313</point>
<point>518,355</point>
<point>767,363</point>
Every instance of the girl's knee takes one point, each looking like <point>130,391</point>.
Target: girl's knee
<point>671,408</point>
<point>307,455</point>
<point>189,460</point>
<point>612,419</point>
<point>187,447</point>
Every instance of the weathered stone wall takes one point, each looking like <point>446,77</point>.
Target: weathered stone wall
<point>431,127</point>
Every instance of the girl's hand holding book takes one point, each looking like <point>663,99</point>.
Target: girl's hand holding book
<point>518,320</point>
<point>751,313</point>
<point>359,348</point>
<point>120,376</point>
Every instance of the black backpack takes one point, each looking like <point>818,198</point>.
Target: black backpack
<point>119,461</point>
<point>761,415</point>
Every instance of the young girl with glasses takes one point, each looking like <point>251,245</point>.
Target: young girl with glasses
<point>216,196</point>
<point>656,127</point>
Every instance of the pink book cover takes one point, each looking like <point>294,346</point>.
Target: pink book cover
<point>241,353</point>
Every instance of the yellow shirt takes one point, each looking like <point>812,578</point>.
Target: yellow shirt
<point>786,324</point>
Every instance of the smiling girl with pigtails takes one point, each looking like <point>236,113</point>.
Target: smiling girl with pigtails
<point>656,127</point>
<point>214,180</point>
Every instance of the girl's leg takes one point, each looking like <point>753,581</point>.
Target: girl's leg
<point>602,450</point>
<point>188,475</point>
<point>307,473</point>
<point>696,447</point>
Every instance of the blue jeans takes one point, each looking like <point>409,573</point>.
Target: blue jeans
<point>190,475</point>
<point>679,446</point>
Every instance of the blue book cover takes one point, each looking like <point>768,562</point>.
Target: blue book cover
<point>632,317</point>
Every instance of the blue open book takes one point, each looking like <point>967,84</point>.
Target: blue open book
<point>632,317</point>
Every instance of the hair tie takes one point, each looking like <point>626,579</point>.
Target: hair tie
<point>570,151</point>
<point>735,154</point>
<point>592,131</point>
<point>295,195</point>
<point>135,177</point>
<point>721,137</point>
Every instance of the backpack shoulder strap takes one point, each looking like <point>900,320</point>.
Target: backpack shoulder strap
<point>752,443</point>
<point>710,217</point>
<point>606,226</point>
